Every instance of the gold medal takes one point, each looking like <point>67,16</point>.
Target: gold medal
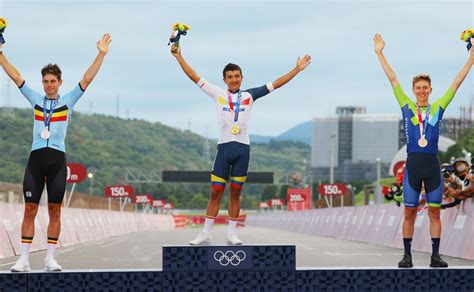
<point>235,130</point>
<point>422,142</point>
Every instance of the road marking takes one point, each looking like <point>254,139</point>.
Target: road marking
<point>361,254</point>
<point>118,241</point>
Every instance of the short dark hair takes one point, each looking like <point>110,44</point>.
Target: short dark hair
<point>52,69</point>
<point>231,67</point>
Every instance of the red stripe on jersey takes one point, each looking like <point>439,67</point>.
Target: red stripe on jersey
<point>246,101</point>
<point>53,119</point>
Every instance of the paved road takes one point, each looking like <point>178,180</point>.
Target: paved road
<point>143,251</point>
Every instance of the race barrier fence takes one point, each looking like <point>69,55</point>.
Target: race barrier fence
<point>78,226</point>
<point>378,224</point>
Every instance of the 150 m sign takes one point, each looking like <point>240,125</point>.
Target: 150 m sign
<point>118,191</point>
<point>332,189</point>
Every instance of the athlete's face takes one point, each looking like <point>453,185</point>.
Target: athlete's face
<point>51,85</point>
<point>233,79</point>
<point>422,90</point>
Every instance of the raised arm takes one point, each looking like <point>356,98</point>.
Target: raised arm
<point>103,47</point>
<point>465,70</point>
<point>301,64</point>
<point>11,71</point>
<point>184,65</point>
<point>379,45</point>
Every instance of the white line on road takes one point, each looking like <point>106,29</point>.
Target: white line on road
<point>361,254</point>
<point>118,241</point>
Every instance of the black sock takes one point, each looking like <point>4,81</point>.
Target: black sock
<point>435,245</point>
<point>407,245</point>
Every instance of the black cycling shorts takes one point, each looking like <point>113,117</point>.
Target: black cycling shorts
<point>45,165</point>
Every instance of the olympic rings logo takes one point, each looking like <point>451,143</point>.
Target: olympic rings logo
<point>229,257</point>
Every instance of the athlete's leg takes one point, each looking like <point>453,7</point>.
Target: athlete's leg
<point>434,193</point>
<point>56,185</point>
<point>408,226</point>
<point>412,183</point>
<point>27,234</point>
<point>234,203</point>
<point>435,221</point>
<point>435,230</point>
<point>211,213</point>
<point>33,184</point>
<point>28,227</point>
<point>238,176</point>
<point>54,227</point>
<point>214,203</point>
<point>220,173</point>
<point>234,210</point>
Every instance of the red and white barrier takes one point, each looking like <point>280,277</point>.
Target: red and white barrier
<point>6,248</point>
<point>78,226</point>
<point>380,224</point>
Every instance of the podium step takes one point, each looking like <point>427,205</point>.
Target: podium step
<point>225,257</point>
<point>309,279</point>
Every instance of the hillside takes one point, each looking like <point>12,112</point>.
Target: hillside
<point>111,145</point>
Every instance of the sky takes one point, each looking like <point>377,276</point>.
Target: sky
<point>263,37</point>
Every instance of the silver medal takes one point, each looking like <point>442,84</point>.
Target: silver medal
<point>45,134</point>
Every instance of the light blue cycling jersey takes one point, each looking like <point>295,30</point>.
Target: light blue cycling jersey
<point>59,120</point>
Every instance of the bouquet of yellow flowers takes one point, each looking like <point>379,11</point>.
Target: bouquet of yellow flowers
<point>179,29</point>
<point>466,36</point>
<point>3,25</point>
<point>181,26</point>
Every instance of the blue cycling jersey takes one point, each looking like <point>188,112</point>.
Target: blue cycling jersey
<point>411,124</point>
<point>59,119</point>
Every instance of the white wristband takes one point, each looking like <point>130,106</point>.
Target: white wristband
<point>270,87</point>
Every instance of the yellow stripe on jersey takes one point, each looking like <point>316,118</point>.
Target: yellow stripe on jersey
<point>55,114</point>
<point>223,101</point>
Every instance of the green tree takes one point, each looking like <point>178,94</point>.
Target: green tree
<point>269,192</point>
<point>249,202</point>
<point>283,192</point>
<point>198,201</point>
<point>453,151</point>
<point>173,200</point>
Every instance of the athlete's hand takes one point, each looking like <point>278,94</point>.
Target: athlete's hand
<point>103,43</point>
<point>450,192</point>
<point>379,44</point>
<point>175,50</point>
<point>302,63</point>
<point>471,57</point>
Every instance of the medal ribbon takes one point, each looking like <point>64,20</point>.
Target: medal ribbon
<point>421,123</point>
<point>237,105</point>
<point>47,119</point>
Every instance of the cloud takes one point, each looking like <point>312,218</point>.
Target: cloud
<point>264,37</point>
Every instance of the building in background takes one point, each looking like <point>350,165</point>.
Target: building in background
<point>353,143</point>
